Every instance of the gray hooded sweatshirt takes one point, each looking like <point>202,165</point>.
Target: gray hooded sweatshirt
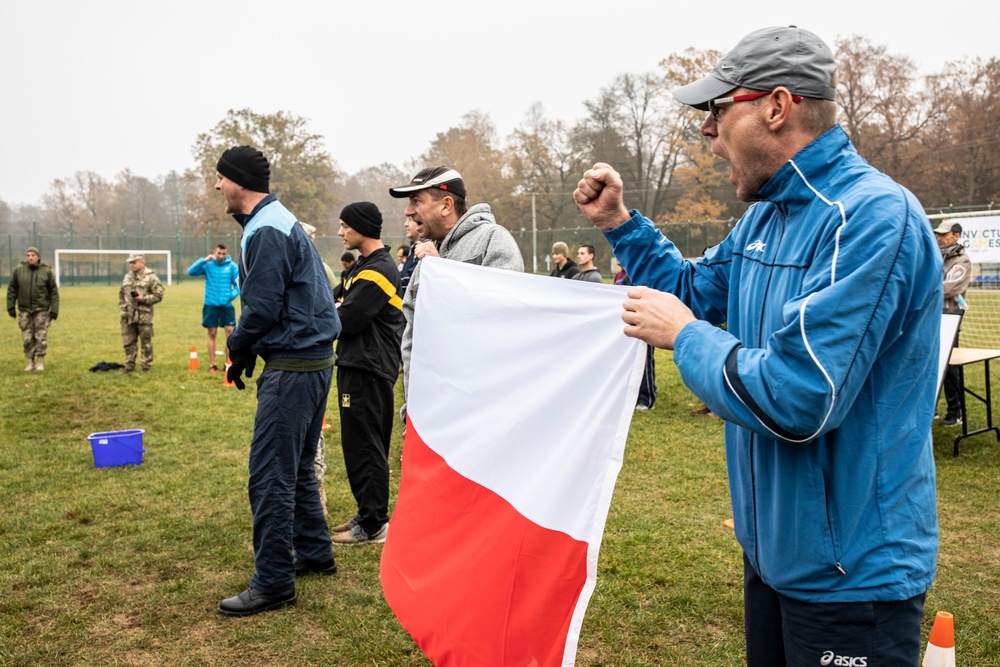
<point>476,239</point>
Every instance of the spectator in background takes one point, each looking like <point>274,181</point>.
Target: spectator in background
<point>140,290</point>
<point>957,275</point>
<point>413,234</point>
<point>319,460</point>
<point>221,276</point>
<point>33,290</point>
<point>347,261</point>
<point>585,260</point>
<point>565,267</point>
<point>402,252</point>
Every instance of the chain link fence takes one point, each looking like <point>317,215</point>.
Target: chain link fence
<point>108,269</point>
<point>96,269</point>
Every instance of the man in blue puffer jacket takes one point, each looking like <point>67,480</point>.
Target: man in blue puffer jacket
<point>221,287</point>
<point>825,374</point>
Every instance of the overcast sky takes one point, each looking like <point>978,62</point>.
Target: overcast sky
<point>108,85</point>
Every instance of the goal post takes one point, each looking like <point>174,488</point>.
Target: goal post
<point>95,263</point>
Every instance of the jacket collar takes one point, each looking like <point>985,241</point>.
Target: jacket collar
<point>953,250</point>
<point>244,218</point>
<point>817,163</point>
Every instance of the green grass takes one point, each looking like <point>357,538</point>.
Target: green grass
<point>126,566</point>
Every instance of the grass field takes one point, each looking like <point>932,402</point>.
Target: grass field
<point>126,566</point>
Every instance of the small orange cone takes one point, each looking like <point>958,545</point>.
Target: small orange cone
<point>193,361</point>
<point>941,645</point>
<point>326,426</point>
<point>225,374</point>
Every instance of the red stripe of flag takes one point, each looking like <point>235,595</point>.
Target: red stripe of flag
<point>452,540</point>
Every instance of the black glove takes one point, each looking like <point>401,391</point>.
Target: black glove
<point>242,361</point>
<point>53,316</point>
<point>12,312</point>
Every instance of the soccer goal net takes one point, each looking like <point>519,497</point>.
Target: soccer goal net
<point>981,238</point>
<point>95,266</point>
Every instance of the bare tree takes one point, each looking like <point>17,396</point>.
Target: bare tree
<point>175,189</point>
<point>474,150</point>
<point>136,204</point>
<point>636,125</point>
<point>961,153</point>
<point>545,165</point>
<point>79,203</point>
<point>627,127</point>
<point>882,109</point>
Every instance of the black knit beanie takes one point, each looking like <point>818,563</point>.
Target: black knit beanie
<point>364,218</point>
<point>246,166</point>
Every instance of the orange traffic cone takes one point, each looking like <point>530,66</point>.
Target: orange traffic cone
<point>326,426</point>
<point>225,374</point>
<point>941,645</point>
<point>193,361</point>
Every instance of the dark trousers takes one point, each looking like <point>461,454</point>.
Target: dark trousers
<point>953,388</point>
<point>287,515</point>
<point>647,389</point>
<point>366,413</point>
<point>782,632</point>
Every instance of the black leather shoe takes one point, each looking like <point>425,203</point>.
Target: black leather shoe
<point>251,601</point>
<point>326,567</point>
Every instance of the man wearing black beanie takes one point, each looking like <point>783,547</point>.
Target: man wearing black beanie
<point>288,318</point>
<point>246,166</point>
<point>368,358</point>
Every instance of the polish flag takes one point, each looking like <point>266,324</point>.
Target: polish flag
<point>521,392</point>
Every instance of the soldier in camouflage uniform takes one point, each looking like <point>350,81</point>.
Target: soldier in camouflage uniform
<point>140,290</point>
<point>34,291</point>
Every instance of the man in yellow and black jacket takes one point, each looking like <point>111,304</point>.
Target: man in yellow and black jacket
<point>368,358</point>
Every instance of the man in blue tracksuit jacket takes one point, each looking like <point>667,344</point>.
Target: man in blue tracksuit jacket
<point>221,287</point>
<point>826,372</point>
<point>287,318</point>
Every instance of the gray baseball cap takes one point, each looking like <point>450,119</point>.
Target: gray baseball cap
<point>763,60</point>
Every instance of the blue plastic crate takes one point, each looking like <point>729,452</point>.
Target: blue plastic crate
<point>117,448</point>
